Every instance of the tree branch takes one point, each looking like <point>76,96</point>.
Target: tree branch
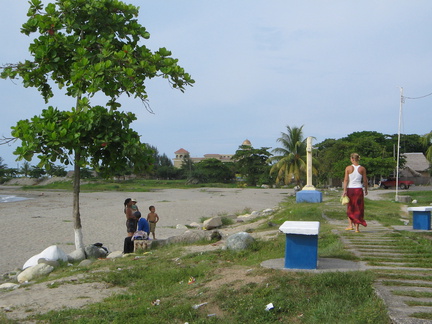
<point>7,140</point>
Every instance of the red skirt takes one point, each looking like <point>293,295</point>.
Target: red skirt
<point>355,207</point>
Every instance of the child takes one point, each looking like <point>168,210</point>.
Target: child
<point>152,218</point>
<point>134,205</point>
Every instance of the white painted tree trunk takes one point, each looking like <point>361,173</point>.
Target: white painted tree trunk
<point>79,241</point>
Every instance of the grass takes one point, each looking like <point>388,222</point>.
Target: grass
<point>298,297</point>
<point>136,185</point>
<point>231,287</point>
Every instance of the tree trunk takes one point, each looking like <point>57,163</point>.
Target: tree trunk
<point>79,243</point>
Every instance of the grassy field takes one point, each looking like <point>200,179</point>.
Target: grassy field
<point>231,287</point>
<point>138,185</point>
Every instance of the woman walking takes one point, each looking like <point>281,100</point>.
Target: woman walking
<point>355,182</point>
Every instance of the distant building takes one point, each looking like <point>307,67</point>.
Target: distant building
<point>416,168</point>
<point>181,153</point>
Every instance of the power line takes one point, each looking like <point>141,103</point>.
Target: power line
<point>429,94</point>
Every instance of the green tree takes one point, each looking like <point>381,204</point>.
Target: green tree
<point>36,172</point>
<point>86,173</point>
<point>88,47</point>
<point>187,166</point>
<point>409,143</point>
<point>25,169</point>
<point>251,163</point>
<point>168,173</point>
<point>213,171</point>
<point>56,170</point>
<point>3,167</point>
<point>427,143</point>
<point>161,161</point>
<point>290,163</point>
<point>375,149</point>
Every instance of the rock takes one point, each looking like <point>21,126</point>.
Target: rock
<point>239,241</point>
<point>405,199</point>
<point>52,253</point>
<point>244,216</point>
<point>94,252</point>
<point>182,227</point>
<point>268,211</point>
<point>9,285</point>
<point>33,272</point>
<point>212,223</point>
<point>255,214</point>
<point>193,236</point>
<point>77,255</point>
<point>85,263</point>
<point>115,255</point>
<point>53,263</point>
<point>195,225</point>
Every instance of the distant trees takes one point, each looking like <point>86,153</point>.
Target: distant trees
<point>290,163</point>
<point>252,164</point>
<point>213,171</point>
<point>427,143</point>
<point>377,151</point>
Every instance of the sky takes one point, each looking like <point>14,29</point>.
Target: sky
<point>333,67</point>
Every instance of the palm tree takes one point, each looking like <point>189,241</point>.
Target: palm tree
<point>290,163</point>
<point>25,169</point>
<point>427,141</point>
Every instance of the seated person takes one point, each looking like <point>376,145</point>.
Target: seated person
<point>143,227</point>
<point>141,233</point>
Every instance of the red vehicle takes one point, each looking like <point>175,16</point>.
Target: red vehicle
<point>391,182</point>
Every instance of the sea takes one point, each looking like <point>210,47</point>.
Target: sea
<point>11,198</point>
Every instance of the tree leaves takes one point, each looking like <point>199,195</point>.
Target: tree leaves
<point>103,139</point>
<point>93,46</point>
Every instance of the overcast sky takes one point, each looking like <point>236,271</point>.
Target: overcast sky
<point>335,67</point>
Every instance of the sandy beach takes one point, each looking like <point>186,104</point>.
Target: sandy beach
<point>29,226</point>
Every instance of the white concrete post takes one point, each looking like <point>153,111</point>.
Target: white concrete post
<point>309,185</point>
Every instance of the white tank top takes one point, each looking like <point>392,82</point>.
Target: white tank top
<point>355,178</point>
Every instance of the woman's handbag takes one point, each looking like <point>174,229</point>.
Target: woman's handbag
<point>344,200</point>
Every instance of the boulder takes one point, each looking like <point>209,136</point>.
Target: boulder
<point>77,255</point>
<point>85,263</point>
<point>115,255</point>
<point>9,285</point>
<point>255,214</point>
<point>193,236</point>
<point>181,227</point>
<point>268,211</point>
<point>244,218</point>
<point>33,272</point>
<point>53,263</point>
<point>51,253</point>
<point>212,223</point>
<point>94,252</point>
<point>239,241</point>
<point>195,225</point>
<point>405,199</point>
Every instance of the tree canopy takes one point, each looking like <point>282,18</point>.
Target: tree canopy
<point>290,163</point>
<point>252,163</point>
<point>88,47</point>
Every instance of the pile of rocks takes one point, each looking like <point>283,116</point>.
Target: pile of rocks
<point>45,262</point>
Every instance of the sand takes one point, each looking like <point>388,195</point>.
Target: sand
<point>27,227</point>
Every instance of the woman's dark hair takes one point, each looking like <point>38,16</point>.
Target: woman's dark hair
<point>125,203</point>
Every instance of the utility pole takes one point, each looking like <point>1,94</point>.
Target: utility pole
<point>398,143</point>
